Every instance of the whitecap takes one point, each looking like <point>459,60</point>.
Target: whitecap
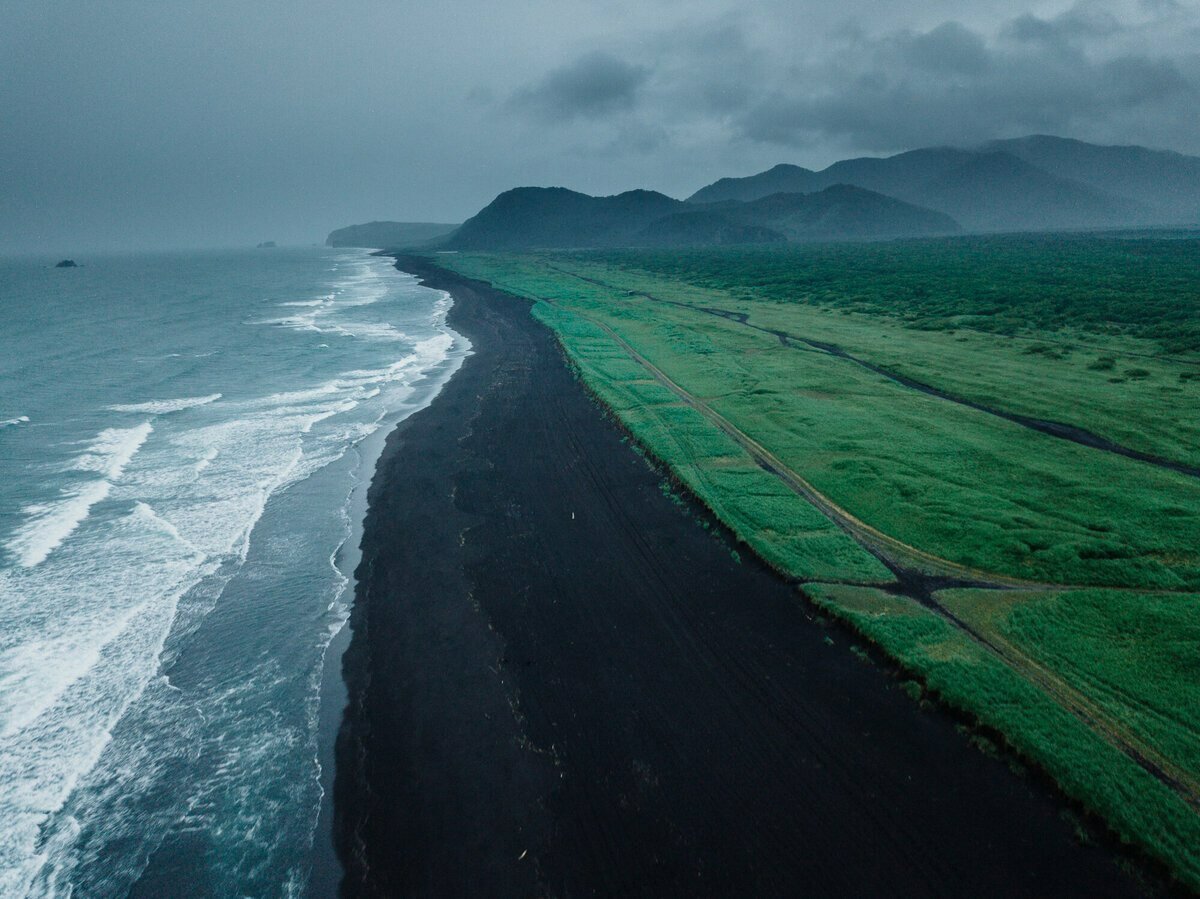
<point>68,676</point>
<point>19,420</point>
<point>163,407</point>
<point>47,525</point>
<point>113,449</point>
<point>206,460</point>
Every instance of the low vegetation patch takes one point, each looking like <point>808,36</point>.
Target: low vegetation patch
<point>1137,805</point>
<point>1003,285</point>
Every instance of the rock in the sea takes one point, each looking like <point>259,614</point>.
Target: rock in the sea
<point>67,263</point>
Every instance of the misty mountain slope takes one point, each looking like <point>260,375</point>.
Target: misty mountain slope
<point>1167,182</point>
<point>904,172</point>
<point>984,190</point>
<point>557,217</point>
<point>844,210</point>
<point>838,212</point>
<point>905,176</point>
<point>387,235</point>
<point>782,179</point>
<point>528,217</point>
<point>998,191</point>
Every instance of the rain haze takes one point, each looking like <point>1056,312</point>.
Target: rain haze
<point>143,125</point>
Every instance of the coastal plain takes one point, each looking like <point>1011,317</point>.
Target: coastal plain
<point>998,486</point>
<point>569,677</point>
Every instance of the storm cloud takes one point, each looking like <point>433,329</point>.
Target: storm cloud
<point>596,84</point>
<point>135,123</point>
<point>952,85</point>
<point>1104,72</point>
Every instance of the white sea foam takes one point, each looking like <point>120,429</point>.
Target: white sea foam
<point>125,589</point>
<point>113,449</point>
<point>27,688</point>
<point>47,525</point>
<point>369,283</point>
<point>68,674</point>
<point>317,323</point>
<point>163,407</point>
<point>19,420</point>
<point>206,460</point>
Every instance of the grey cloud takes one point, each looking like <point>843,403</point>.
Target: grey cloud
<point>950,48</point>
<point>1029,28</point>
<point>731,81</point>
<point>951,85</point>
<point>1132,80</point>
<point>1159,7</point>
<point>1078,23</point>
<point>593,86</point>
<point>710,68</point>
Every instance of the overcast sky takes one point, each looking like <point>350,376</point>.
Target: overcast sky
<point>221,123</point>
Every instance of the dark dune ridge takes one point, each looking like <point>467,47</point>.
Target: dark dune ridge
<point>561,683</point>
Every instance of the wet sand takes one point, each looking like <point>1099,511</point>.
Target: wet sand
<point>562,683</point>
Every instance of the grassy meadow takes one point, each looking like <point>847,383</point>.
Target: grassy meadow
<point>1074,749</point>
<point>1077,637</point>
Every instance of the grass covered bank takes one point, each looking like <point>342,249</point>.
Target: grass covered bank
<point>846,473</point>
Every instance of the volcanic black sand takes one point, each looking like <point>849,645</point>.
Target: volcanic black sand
<point>561,683</point>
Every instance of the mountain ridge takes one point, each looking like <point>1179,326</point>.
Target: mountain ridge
<point>525,217</point>
<point>1164,179</point>
<point>1039,182</point>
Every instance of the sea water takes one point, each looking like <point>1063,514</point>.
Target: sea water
<point>184,443</point>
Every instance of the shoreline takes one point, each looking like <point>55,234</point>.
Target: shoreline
<point>327,869</point>
<point>643,713</point>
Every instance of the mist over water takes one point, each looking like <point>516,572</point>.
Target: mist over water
<point>180,439</point>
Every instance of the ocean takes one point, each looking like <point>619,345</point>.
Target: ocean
<point>185,445</point>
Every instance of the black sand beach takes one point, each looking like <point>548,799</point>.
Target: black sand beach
<point>562,684</point>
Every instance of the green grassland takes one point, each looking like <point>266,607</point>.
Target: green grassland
<point>1026,284</point>
<point>780,526</point>
<point>1085,762</point>
<point>1112,380</point>
<point>1132,655</point>
<point>1081,645</point>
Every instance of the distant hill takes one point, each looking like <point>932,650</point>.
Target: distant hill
<point>1167,183</point>
<point>387,235</point>
<point>556,217</point>
<point>1032,184</point>
<point>844,211</point>
<point>782,179</point>
<point>997,191</point>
